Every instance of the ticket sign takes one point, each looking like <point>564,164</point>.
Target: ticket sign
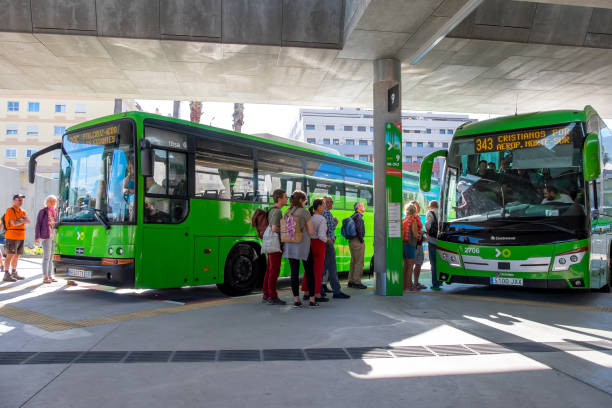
<point>523,140</point>
<point>98,136</point>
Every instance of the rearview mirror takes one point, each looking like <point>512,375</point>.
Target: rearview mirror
<point>426,168</point>
<point>146,158</point>
<point>590,157</point>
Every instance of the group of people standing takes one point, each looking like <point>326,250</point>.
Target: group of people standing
<point>413,238</point>
<point>314,250</point>
<point>15,220</point>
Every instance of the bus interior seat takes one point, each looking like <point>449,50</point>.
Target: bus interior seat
<point>210,194</point>
<point>252,196</point>
<point>238,196</point>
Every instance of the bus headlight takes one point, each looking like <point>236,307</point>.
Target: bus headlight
<point>565,260</point>
<point>452,258</point>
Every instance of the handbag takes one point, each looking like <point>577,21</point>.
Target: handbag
<point>270,242</point>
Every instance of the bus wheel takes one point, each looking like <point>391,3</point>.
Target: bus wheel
<point>241,272</point>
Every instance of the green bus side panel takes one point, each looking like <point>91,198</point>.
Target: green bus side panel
<point>206,261</point>
<point>167,254</point>
<point>95,240</point>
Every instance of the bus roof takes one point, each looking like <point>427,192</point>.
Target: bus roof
<point>267,138</point>
<point>524,121</point>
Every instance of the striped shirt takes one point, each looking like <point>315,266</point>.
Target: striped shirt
<point>331,227</point>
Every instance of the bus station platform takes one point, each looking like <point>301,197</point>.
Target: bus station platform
<point>464,346</point>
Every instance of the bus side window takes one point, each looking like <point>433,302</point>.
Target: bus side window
<point>278,171</point>
<point>163,204</point>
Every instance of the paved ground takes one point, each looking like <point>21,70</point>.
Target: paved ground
<point>466,346</point>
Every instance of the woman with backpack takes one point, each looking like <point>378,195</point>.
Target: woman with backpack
<point>411,235</point>
<point>316,260</point>
<point>296,229</point>
<point>45,227</point>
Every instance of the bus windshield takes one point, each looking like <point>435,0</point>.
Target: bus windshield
<point>519,176</point>
<point>97,179</point>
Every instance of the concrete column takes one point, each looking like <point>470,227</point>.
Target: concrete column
<point>387,74</point>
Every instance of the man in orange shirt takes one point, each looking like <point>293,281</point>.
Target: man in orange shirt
<point>15,220</point>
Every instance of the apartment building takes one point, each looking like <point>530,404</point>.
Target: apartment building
<point>29,123</point>
<point>351,132</point>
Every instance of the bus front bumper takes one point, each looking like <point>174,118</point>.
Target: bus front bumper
<point>527,283</point>
<point>92,270</point>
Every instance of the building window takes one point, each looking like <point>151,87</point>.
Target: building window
<point>33,107</point>
<point>350,156</point>
<point>330,128</point>
<point>408,144</point>
<point>449,131</point>
<point>363,157</point>
<point>430,144</point>
<point>13,106</point>
<point>361,128</point>
<point>348,128</point>
<point>371,128</point>
<point>11,129</point>
<point>10,153</point>
<point>310,127</point>
<point>32,130</point>
<point>416,131</point>
<point>59,130</point>
<point>444,144</point>
<point>408,159</point>
<point>80,108</point>
<point>350,142</point>
<point>60,108</point>
<point>420,144</point>
<point>363,142</point>
<point>311,141</point>
<point>428,131</point>
<point>30,152</point>
<point>419,159</point>
<point>336,141</point>
<point>442,131</point>
<point>326,141</point>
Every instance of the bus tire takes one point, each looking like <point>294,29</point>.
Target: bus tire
<point>241,271</point>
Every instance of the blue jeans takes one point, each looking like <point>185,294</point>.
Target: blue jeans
<point>432,261</point>
<point>331,268</point>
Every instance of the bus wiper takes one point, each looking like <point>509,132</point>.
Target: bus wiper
<point>558,228</point>
<point>101,217</point>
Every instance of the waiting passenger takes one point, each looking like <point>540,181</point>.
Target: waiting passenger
<point>420,255</point>
<point>552,195</point>
<point>491,166</point>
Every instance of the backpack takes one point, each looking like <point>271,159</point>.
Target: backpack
<point>433,230</point>
<point>290,228</point>
<point>3,226</point>
<point>348,230</point>
<point>259,221</point>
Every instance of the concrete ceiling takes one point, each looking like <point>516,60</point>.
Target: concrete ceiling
<point>535,54</point>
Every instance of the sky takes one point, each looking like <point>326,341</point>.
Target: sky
<point>258,118</point>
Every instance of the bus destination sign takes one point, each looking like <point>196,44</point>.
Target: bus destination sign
<point>523,140</point>
<point>98,136</point>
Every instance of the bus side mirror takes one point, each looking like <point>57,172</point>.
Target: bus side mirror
<point>426,168</point>
<point>146,158</point>
<point>590,157</point>
<point>31,171</point>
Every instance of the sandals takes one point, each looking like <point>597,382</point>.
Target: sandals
<point>419,286</point>
<point>52,280</point>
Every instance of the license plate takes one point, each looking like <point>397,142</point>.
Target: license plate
<point>507,281</point>
<point>79,273</point>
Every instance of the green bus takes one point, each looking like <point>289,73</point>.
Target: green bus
<point>526,200</point>
<point>147,201</point>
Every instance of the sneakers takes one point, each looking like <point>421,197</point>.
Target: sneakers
<point>8,278</point>
<point>298,304</point>
<point>341,296</point>
<point>276,301</point>
<point>321,299</point>
<point>357,285</point>
<point>266,300</point>
<point>313,304</point>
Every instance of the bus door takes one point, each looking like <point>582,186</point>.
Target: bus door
<point>167,240</point>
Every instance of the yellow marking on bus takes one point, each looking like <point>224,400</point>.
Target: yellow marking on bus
<point>518,301</point>
<point>39,320</point>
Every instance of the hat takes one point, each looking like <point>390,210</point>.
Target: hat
<point>18,195</point>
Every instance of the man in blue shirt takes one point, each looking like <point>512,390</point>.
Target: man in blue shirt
<point>331,269</point>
